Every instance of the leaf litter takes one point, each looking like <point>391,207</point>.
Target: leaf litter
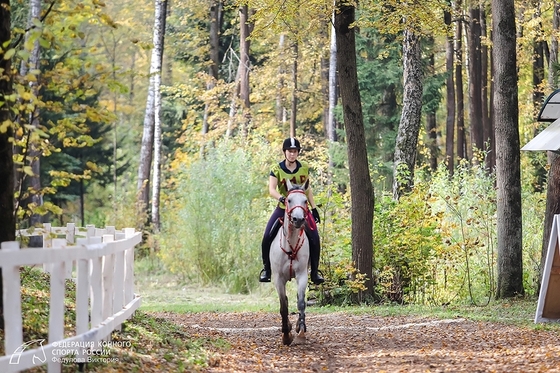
<point>342,342</point>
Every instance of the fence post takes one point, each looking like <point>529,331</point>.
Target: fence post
<point>47,243</point>
<point>129,268</point>
<point>47,239</point>
<point>90,230</point>
<point>110,229</point>
<point>108,273</point>
<point>60,243</point>
<point>82,297</point>
<point>70,232</point>
<point>96,286</point>
<point>56,311</point>
<point>13,332</point>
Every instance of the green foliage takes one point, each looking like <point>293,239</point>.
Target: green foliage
<point>343,284</point>
<point>380,79</point>
<point>60,120</point>
<point>215,220</point>
<point>406,238</point>
<point>437,245</point>
<point>533,206</point>
<point>466,204</point>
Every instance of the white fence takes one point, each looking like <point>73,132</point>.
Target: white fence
<point>102,261</point>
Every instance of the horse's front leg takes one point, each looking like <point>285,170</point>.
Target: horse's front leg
<point>287,336</point>
<point>301,328</point>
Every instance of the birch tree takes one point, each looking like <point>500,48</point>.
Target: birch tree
<point>157,123</point>
<point>146,151</point>
<point>331,121</point>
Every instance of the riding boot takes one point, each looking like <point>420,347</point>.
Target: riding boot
<point>265,273</point>
<point>314,255</point>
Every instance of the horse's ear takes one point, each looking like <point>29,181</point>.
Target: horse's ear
<point>289,185</point>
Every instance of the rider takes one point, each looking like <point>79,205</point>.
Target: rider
<point>298,173</point>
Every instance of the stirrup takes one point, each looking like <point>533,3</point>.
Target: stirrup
<point>319,279</point>
<point>263,276</point>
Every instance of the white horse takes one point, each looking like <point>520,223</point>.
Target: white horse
<point>289,258</point>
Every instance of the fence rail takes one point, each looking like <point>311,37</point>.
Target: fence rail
<point>102,261</point>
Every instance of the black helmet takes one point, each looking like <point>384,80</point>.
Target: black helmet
<point>291,143</point>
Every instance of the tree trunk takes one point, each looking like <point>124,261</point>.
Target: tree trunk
<point>214,38</point>
<point>461,139</point>
<point>553,60</point>
<point>431,124</point>
<point>487,126</point>
<point>34,152</point>
<point>362,197</point>
<point>82,202</point>
<point>553,188</point>
<point>450,101</point>
<point>409,126</point>
<point>538,65</point>
<point>244,63</point>
<point>146,151</point>
<point>331,123</point>
<point>157,121</point>
<point>293,112</point>
<point>508,173</point>
<point>7,218</point>
<point>325,81</point>
<point>232,106</point>
<point>552,204</point>
<point>280,109</point>
<point>331,120</point>
<point>475,83</point>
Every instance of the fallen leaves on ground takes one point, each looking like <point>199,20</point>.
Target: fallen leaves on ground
<point>341,342</point>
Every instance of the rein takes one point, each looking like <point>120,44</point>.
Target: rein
<point>294,249</point>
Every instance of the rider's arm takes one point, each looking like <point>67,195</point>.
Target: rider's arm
<point>272,185</point>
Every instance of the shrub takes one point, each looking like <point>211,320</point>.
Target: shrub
<point>214,223</point>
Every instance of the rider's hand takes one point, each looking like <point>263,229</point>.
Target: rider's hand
<point>282,199</point>
<point>316,215</point>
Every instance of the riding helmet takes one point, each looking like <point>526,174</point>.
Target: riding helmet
<point>291,143</point>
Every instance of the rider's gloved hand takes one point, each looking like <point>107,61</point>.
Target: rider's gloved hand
<point>316,215</point>
<point>282,199</point>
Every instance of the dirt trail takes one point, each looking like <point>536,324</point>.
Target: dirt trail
<point>340,342</point>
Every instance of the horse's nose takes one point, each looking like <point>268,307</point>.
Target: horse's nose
<point>297,221</point>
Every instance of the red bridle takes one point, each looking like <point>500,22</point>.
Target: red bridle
<point>294,249</point>
<point>289,210</point>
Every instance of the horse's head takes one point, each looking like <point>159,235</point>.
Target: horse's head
<point>296,204</point>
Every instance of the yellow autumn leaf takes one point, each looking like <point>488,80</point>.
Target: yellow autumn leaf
<point>9,53</point>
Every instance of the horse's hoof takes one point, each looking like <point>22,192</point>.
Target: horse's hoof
<point>287,339</point>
